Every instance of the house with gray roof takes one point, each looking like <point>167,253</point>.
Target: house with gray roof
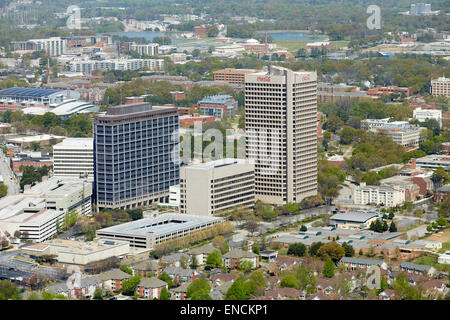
<point>235,257</point>
<point>85,287</point>
<point>147,267</point>
<point>180,275</point>
<point>113,279</point>
<point>179,293</point>
<point>150,288</point>
<point>200,254</point>
<point>417,268</point>
<point>357,263</point>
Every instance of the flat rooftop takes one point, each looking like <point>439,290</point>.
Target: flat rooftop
<point>78,247</point>
<point>163,224</point>
<point>57,186</point>
<point>217,164</point>
<point>75,143</point>
<point>42,137</point>
<point>10,206</point>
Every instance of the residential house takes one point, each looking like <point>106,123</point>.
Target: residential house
<point>85,288</point>
<point>235,257</point>
<point>417,269</point>
<point>351,263</point>
<point>219,279</point>
<point>150,288</point>
<point>200,254</point>
<point>179,293</point>
<point>113,279</point>
<point>146,268</point>
<point>180,275</point>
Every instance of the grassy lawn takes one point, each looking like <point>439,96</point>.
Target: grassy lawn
<point>445,247</point>
<point>432,261</point>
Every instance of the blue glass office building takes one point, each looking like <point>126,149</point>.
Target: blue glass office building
<point>136,155</point>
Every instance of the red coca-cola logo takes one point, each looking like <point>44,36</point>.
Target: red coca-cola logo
<point>263,79</point>
<point>306,78</point>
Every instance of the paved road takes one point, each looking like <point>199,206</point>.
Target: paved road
<point>420,231</point>
<point>8,176</point>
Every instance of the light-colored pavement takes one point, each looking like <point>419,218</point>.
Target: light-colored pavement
<point>9,178</point>
<point>420,231</point>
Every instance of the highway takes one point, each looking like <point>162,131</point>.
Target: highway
<point>8,176</point>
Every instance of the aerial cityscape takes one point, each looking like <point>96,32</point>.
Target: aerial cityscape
<point>224,150</point>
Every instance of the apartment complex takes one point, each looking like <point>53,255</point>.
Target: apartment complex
<point>230,75</point>
<point>87,66</point>
<point>390,196</point>
<point>440,86</point>
<point>219,106</point>
<point>52,46</point>
<point>281,133</point>
<point>145,49</point>
<point>74,157</point>
<point>211,188</point>
<point>136,156</point>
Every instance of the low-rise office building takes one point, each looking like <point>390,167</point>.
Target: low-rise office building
<point>74,157</point>
<point>28,215</point>
<point>219,106</point>
<point>64,194</point>
<point>76,252</point>
<point>147,233</point>
<point>353,220</point>
<point>433,161</point>
<point>215,187</point>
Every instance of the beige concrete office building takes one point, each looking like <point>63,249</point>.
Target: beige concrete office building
<point>281,133</point>
<point>216,187</point>
<point>74,157</point>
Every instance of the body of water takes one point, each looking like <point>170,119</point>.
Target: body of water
<point>287,35</point>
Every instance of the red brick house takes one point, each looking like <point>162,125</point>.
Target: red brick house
<point>150,288</point>
<point>113,279</point>
<point>235,257</point>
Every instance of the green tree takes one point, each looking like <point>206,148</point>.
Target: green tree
<point>237,290</point>
<point>8,290</point>
<point>197,286</point>
<point>303,228</point>
<point>129,285</point>
<point>125,268</point>
<point>98,294</point>
<point>329,268</point>
<point>3,190</point>
<point>214,259</point>
<point>392,227</point>
<point>164,295</point>
<point>349,251</point>
<point>297,249</point>
<point>289,281</point>
<point>314,247</point>
<point>245,265</point>
<point>166,278</point>
<point>332,250</point>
